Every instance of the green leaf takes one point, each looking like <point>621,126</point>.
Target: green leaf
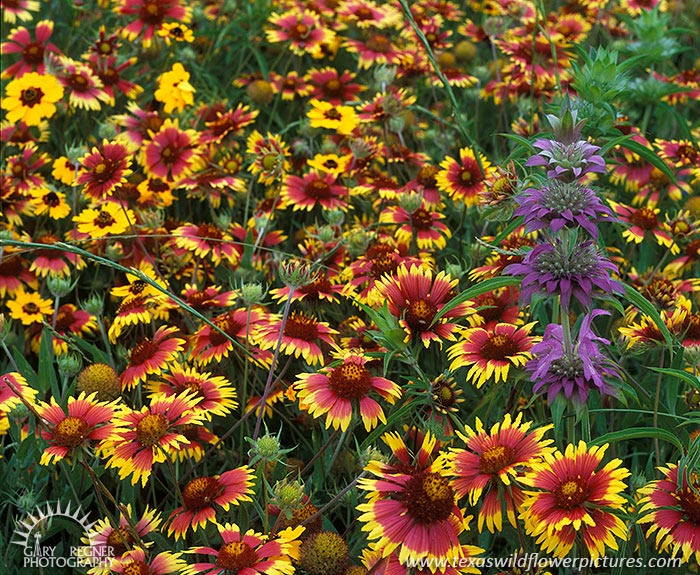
<point>47,373</point>
<point>649,155</point>
<point>639,433</point>
<point>522,141</point>
<point>476,290</point>
<point>679,374</point>
<point>647,308</point>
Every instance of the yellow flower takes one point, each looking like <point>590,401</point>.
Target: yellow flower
<point>29,308</point>
<point>107,219</point>
<point>46,201</point>
<point>175,31</point>
<point>31,98</point>
<point>64,170</point>
<point>174,89</point>
<point>342,119</point>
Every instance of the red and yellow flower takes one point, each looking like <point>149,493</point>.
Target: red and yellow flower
<point>462,179</point>
<point>84,420</point>
<point>494,463</point>
<point>151,356</point>
<point>491,352</point>
<point>671,507</point>
<point>146,437</point>
<point>298,337</point>
<point>571,495</point>
<point>415,296</point>
<point>336,390</point>
<point>411,507</point>
<point>249,553</point>
<point>203,496</point>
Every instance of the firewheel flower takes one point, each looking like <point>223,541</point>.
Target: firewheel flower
<point>146,437</point>
<point>416,296</point>
<point>411,506</point>
<point>249,553</point>
<point>151,356</point>
<point>494,464</point>
<point>462,179</point>
<point>671,506</point>
<point>203,496</point>
<point>13,389</point>
<point>103,169</point>
<point>84,420</point>
<point>571,495</point>
<point>335,391</point>
<point>174,89</point>
<point>491,352</point>
<point>32,98</point>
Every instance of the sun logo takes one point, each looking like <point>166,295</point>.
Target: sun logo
<point>31,529</point>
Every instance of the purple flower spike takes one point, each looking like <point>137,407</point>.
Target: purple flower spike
<point>580,271</point>
<point>559,205</point>
<point>567,162</point>
<point>574,371</point>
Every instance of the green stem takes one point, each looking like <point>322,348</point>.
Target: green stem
<point>270,373</point>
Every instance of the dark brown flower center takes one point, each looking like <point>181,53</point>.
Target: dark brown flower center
<point>120,540</point>
<point>426,176</point>
<point>153,11</point>
<point>299,31</point>
<point>645,218</point>
<point>318,189</point>
<point>350,381</point>
<point>419,315</point>
<point>495,458</point>
<point>136,568</point>
<point>379,43</point>
<point>332,87</point>
<point>466,176</point>
<point>52,200</point>
<point>690,502</point>
<point>428,498</point>
<point>209,232</point>
<point>332,114</point>
<point>201,492</point>
<point>78,82</point>
<point>571,493</point>
<point>498,346</point>
<point>31,96</point>
<point>33,53</point>
<point>227,324</point>
<point>30,308</point>
<point>301,327</point>
<point>235,556</point>
<point>191,384</point>
<point>151,429</point>
<point>71,432</point>
<point>421,219</point>
<point>143,351</point>
<point>104,220</point>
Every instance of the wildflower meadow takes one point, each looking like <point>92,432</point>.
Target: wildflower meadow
<point>350,287</point>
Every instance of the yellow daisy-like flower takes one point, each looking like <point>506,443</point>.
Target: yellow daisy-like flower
<point>107,219</point>
<point>31,98</point>
<point>175,31</point>
<point>48,202</point>
<point>342,119</point>
<point>174,89</point>
<point>29,308</point>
